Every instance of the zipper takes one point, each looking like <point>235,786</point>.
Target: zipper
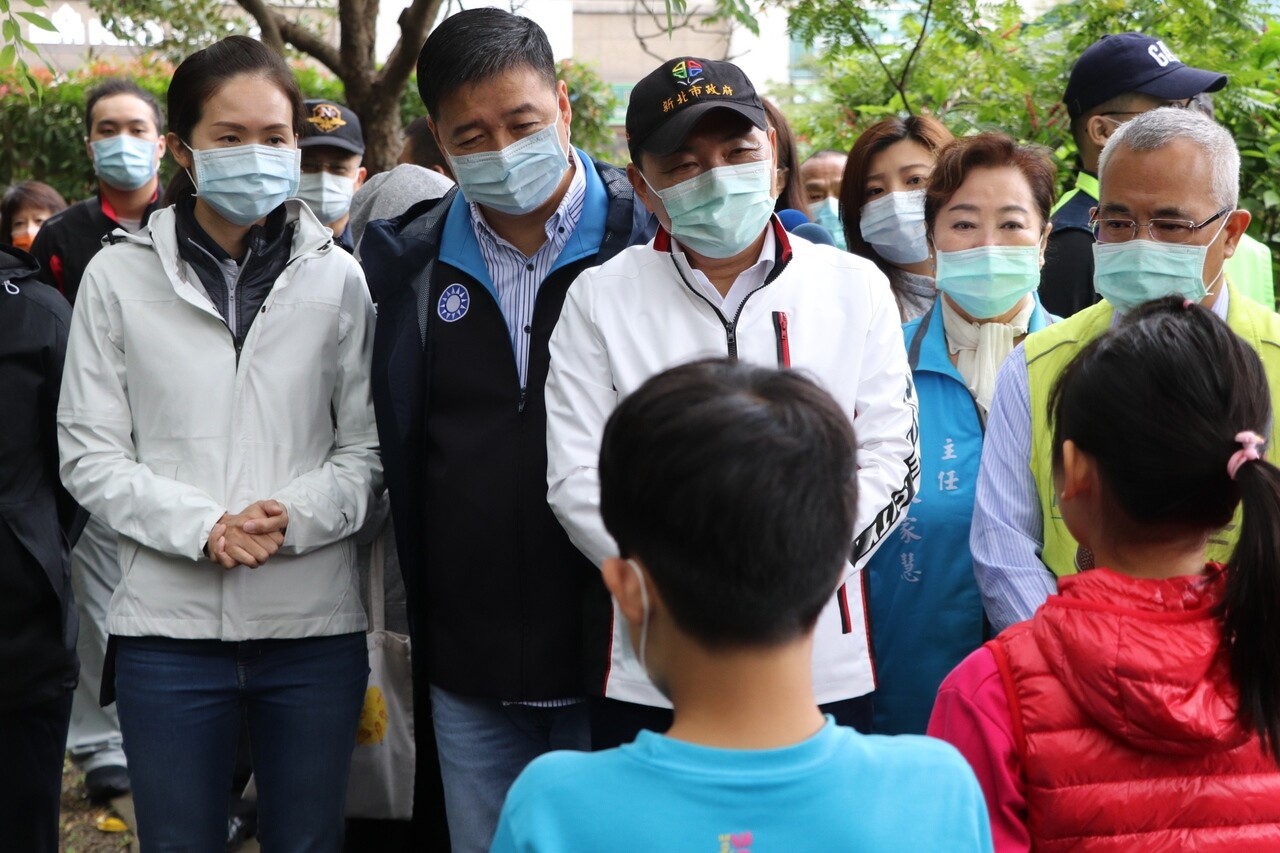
<point>784,342</point>
<point>730,327</point>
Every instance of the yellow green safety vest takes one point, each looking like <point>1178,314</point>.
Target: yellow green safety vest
<point>1085,183</point>
<point>1049,351</point>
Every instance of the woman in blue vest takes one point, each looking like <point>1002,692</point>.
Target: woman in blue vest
<point>987,220</point>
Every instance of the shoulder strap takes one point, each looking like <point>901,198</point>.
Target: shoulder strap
<point>917,340</point>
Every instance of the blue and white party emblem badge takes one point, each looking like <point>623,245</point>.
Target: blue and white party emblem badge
<point>454,303</point>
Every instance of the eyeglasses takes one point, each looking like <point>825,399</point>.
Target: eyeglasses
<point>1161,230</point>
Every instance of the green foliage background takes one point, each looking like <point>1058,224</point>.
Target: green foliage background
<point>43,124</point>
<point>981,66</point>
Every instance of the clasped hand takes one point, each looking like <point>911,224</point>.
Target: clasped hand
<point>250,537</point>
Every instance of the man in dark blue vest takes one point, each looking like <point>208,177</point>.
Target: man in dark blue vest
<point>469,288</point>
<point>1116,78</point>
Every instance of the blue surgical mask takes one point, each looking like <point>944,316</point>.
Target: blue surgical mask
<point>519,178</point>
<point>827,214</point>
<point>987,281</point>
<point>894,226</point>
<point>246,182</point>
<point>328,196</point>
<point>721,211</point>
<point>124,162</point>
<point>1137,271</point>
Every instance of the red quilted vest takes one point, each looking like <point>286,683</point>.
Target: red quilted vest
<point>1124,719</point>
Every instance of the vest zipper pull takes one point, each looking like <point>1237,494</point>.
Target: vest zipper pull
<point>524,398</point>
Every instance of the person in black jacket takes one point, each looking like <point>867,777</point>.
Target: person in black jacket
<point>124,139</point>
<point>38,624</point>
<point>469,289</point>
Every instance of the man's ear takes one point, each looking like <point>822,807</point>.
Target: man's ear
<point>1099,130</point>
<point>1237,223</point>
<point>361,174</point>
<point>180,152</point>
<point>641,187</point>
<point>565,106</point>
<point>624,585</point>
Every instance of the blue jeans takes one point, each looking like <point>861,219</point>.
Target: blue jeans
<point>484,745</point>
<point>181,703</point>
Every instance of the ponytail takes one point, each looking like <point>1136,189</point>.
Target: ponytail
<point>1251,604</point>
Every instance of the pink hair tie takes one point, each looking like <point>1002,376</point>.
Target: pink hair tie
<point>1249,452</point>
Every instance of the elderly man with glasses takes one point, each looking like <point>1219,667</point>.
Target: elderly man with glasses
<point>1118,77</point>
<point>1165,223</point>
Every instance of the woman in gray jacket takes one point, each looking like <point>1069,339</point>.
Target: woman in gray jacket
<point>215,412</point>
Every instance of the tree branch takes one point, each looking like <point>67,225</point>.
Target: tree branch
<point>414,23</point>
<point>311,44</point>
<point>871,46</point>
<point>266,23</point>
<point>911,57</point>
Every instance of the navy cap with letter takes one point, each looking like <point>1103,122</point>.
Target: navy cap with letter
<point>331,124</point>
<point>1133,62</point>
<point>666,104</point>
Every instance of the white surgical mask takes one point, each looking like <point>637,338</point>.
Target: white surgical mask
<point>328,196</point>
<point>894,226</point>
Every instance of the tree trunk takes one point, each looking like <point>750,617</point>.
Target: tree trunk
<point>380,118</point>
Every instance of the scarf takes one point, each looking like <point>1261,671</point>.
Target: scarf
<point>979,348</point>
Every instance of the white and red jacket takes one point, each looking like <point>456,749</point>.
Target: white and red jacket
<point>820,310</point>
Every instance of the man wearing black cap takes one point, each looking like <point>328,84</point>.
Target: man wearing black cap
<point>722,277</point>
<point>469,288</point>
<point>1116,78</point>
<point>332,148</point>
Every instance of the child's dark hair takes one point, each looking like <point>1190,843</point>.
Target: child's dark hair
<point>735,486</point>
<point>1158,402</point>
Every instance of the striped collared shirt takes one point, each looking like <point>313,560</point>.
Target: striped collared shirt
<point>516,276</point>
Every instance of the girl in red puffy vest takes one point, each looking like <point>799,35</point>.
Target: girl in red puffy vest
<point>1139,709</point>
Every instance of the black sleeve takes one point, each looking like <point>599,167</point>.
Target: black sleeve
<point>1066,282</point>
<point>71,518</point>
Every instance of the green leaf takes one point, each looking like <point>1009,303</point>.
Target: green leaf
<point>8,54</point>
<point>38,21</point>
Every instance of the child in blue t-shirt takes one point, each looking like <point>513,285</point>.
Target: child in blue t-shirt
<point>730,491</point>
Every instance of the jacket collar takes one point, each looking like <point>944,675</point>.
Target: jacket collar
<point>309,237</point>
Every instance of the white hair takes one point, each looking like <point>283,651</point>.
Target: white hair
<point>1158,128</point>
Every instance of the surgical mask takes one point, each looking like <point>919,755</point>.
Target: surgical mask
<point>894,226</point>
<point>124,162</point>
<point>519,178</point>
<point>643,649</point>
<point>720,212</point>
<point>827,214</point>
<point>23,241</point>
<point>987,281</point>
<point>1137,271</point>
<point>246,182</point>
<point>328,196</point>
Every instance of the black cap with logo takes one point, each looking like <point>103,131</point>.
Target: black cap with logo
<point>1133,62</point>
<point>331,124</point>
<point>667,103</point>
